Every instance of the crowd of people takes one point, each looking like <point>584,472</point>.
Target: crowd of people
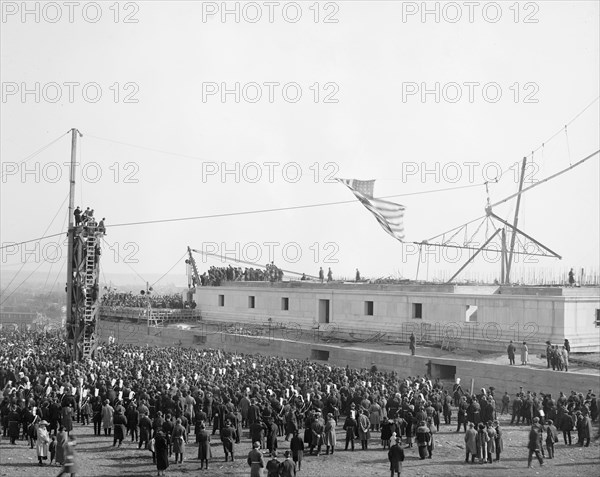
<point>86,218</point>
<point>112,297</point>
<point>216,275</point>
<point>160,398</point>
<point>557,358</point>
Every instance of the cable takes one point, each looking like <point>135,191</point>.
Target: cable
<point>535,184</point>
<point>145,148</point>
<point>280,209</point>
<point>52,265</point>
<point>57,275</point>
<point>43,148</point>
<point>43,236</point>
<point>124,261</point>
<point>166,273</point>
<point>28,255</point>
<point>27,278</point>
<point>564,128</point>
<point>32,240</point>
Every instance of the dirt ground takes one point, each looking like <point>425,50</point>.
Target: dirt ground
<point>96,457</point>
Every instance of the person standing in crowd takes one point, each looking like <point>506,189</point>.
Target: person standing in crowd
<point>14,418</point>
<point>482,443</point>
<point>329,275</point>
<point>364,429</point>
<point>52,449</point>
<point>551,438</point>
<point>145,425</point>
<point>255,460</point>
<point>297,449</point>
<point>317,428</point>
<point>120,425</point>
<point>161,445</point>
<point>203,438</point>
<point>69,466</point>
<point>227,436</point>
<point>396,457</point>
<point>329,434</point>
<point>470,443</point>
<point>549,354</point>
<point>499,444</point>
<point>321,274</point>
<point>422,436</point>
<point>133,419</point>
<point>180,440</point>
<point>505,403</point>
<point>86,412</point>
<point>565,358</point>
<point>491,447</point>
<point>288,469</point>
<point>462,418</point>
<point>107,417</point>
<point>273,466</point>
<point>511,350</point>
<point>97,416</point>
<point>61,440</point>
<point>584,429</point>
<point>42,441</point>
<point>516,410</point>
<point>432,431</point>
<point>534,446</point>
<point>524,354</point>
<point>357,277</point>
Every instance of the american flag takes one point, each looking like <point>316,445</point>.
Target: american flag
<point>389,215</point>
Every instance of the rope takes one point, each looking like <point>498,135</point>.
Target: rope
<point>43,148</point>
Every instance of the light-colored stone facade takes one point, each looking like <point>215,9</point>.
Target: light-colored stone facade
<point>468,317</point>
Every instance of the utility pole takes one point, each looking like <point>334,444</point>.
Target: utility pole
<point>73,328</point>
<point>148,308</point>
<point>516,222</point>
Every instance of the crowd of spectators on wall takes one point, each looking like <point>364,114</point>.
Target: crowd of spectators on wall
<point>114,298</point>
<point>217,275</point>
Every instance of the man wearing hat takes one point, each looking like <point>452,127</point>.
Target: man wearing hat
<point>396,457</point>
<point>317,428</point>
<point>471,443</point>
<point>227,436</point>
<point>499,444</point>
<point>534,445</point>
<point>14,418</point>
<point>297,448</point>
<point>120,425</point>
<point>203,438</point>
<point>287,468</point>
<point>273,465</point>
<point>551,438</point>
<point>255,460</point>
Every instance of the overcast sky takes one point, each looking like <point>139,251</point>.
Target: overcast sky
<point>417,100</point>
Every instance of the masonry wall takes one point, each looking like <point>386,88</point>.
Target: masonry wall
<point>531,317</point>
<point>502,377</point>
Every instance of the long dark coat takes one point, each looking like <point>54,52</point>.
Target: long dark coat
<point>203,438</point>
<point>162,451</point>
